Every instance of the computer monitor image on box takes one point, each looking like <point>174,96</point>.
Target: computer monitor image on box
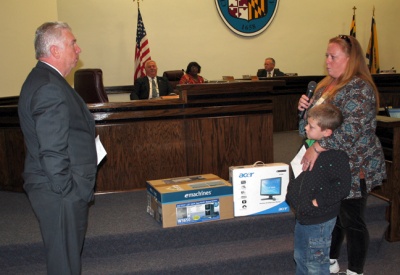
<point>210,210</point>
<point>270,188</point>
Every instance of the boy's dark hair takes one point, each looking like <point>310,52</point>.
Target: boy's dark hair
<point>327,116</point>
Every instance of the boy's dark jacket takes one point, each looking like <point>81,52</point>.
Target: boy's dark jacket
<point>328,182</point>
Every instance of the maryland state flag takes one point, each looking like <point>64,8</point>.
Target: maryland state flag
<point>353,26</point>
<point>372,51</point>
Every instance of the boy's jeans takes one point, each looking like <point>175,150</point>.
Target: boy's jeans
<point>311,247</point>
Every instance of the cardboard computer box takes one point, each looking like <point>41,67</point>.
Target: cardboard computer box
<point>259,188</point>
<point>188,200</point>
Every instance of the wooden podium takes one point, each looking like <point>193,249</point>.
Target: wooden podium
<point>209,128</point>
<point>388,131</point>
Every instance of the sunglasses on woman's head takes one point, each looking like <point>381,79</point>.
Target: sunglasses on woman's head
<point>345,38</point>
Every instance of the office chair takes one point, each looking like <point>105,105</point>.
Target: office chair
<point>173,77</point>
<point>88,83</point>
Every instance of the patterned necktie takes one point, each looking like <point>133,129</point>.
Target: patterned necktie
<point>153,89</point>
<point>269,74</point>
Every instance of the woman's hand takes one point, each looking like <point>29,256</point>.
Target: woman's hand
<point>309,159</point>
<point>311,156</point>
<point>304,103</point>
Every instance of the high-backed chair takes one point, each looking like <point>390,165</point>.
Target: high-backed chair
<point>89,85</point>
<point>173,77</point>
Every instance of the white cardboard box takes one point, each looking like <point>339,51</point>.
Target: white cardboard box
<point>259,188</point>
<point>189,200</point>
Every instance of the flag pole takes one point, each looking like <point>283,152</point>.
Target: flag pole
<point>138,6</point>
<point>354,10</point>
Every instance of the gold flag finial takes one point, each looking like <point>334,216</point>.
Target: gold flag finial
<point>354,10</point>
<point>137,2</point>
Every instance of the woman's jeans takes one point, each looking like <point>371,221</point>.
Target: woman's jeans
<point>351,224</point>
<point>311,247</point>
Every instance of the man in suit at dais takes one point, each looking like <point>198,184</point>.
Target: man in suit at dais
<point>269,69</point>
<point>151,85</point>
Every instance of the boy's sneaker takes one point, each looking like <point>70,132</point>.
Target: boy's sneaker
<point>349,272</point>
<point>334,266</point>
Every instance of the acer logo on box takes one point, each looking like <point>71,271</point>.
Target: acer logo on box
<point>259,188</point>
<point>246,175</point>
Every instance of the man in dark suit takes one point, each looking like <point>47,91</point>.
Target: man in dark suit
<point>269,71</point>
<point>61,159</point>
<point>151,85</point>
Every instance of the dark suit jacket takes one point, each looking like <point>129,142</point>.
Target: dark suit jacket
<point>59,133</point>
<point>141,87</point>
<point>263,73</point>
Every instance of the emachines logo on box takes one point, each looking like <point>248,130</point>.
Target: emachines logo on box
<point>198,194</point>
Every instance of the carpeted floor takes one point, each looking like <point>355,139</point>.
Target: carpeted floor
<point>123,239</point>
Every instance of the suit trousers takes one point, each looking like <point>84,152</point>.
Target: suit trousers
<point>351,224</point>
<point>63,220</point>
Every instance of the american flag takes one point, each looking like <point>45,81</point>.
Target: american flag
<point>142,53</point>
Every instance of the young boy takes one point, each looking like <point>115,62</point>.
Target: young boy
<point>315,195</point>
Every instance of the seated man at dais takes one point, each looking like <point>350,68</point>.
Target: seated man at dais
<point>151,85</point>
<point>269,69</point>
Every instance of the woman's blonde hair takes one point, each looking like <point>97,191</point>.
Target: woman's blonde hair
<point>356,66</point>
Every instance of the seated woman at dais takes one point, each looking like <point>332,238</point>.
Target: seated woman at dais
<point>191,74</point>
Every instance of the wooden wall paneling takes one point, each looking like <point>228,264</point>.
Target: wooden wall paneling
<point>139,151</point>
<point>216,107</point>
<point>390,99</point>
<point>389,89</point>
<point>285,112</point>
<point>393,232</point>
<point>388,131</point>
<point>218,143</point>
<point>12,150</point>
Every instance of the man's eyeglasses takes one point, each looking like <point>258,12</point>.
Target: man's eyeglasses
<point>345,38</point>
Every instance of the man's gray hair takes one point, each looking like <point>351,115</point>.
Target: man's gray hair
<point>47,35</point>
<point>270,58</point>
